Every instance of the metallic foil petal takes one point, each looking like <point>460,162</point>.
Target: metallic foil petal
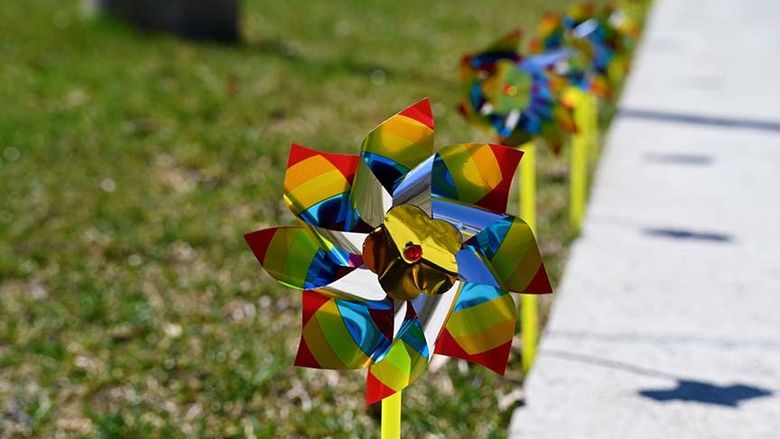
<point>399,144</point>
<point>472,268</point>
<point>343,334</point>
<point>317,186</point>
<point>296,257</point>
<point>480,327</point>
<point>405,361</point>
<point>415,188</point>
<point>388,152</point>
<point>469,220</point>
<point>370,199</point>
<point>510,251</point>
<point>475,173</point>
<point>352,242</point>
<point>360,284</point>
<point>433,310</point>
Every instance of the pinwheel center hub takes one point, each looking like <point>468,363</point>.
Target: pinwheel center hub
<point>510,90</point>
<point>412,253</point>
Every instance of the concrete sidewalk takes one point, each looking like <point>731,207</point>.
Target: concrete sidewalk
<point>667,323</point>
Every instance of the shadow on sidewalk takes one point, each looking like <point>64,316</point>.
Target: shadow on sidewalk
<point>686,234</point>
<point>699,391</point>
<point>686,390</point>
<point>697,119</point>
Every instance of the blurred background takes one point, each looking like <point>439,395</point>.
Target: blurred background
<point>131,164</point>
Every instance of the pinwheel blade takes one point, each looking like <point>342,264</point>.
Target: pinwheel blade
<point>298,259</point>
<point>432,312</point>
<point>467,218</point>
<point>343,334</point>
<point>415,187</point>
<point>475,173</point>
<point>551,34</point>
<point>509,250</point>
<point>405,361</point>
<point>317,187</point>
<point>480,327</point>
<point>399,144</point>
<point>507,43</point>
<point>505,48</point>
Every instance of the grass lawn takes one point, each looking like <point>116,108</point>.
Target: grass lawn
<point>130,167</point>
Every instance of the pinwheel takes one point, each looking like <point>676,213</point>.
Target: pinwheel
<point>402,253</point>
<point>608,31</point>
<point>572,55</point>
<point>624,19</point>
<point>594,45</point>
<point>517,97</point>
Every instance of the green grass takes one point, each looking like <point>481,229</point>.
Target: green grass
<point>130,167</point>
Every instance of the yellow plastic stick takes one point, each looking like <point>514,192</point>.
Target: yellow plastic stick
<point>594,136</point>
<point>528,185</point>
<point>391,416</point>
<point>578,174</point>
<point>529,319</point>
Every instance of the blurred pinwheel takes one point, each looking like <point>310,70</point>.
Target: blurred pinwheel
<point>403,253</point>
<point>593,44</point>
<point>518,98</point>
<point>572,55</point>
<point>625,18</point>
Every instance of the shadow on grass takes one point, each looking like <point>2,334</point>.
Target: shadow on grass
<point>284,50</point>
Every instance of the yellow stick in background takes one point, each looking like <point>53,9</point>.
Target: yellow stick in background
<point>578,173</point>
<point>529,319</point>
<point>528,185</point>
<point>391,417</point>
<point>594,137</point>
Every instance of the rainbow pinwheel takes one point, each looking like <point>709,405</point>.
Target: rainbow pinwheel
<point>518,98</point>
<point>573,55</point>
<point>593,46</point>
<point>403,253</point>
<point>624,19</point>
